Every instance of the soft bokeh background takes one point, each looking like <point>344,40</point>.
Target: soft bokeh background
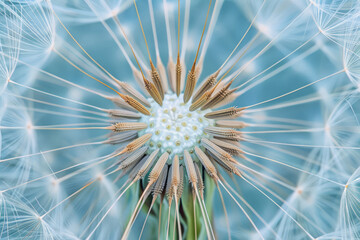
<point>306,40</point>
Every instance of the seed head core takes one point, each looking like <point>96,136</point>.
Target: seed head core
<point>174,127</point>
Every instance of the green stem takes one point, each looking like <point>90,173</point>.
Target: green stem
<point>189,210</point>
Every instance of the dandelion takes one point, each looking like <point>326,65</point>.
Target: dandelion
<point>179,119</point>
<point>349,220</point>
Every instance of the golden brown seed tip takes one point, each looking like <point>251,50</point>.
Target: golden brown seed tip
<point>227,133</point>
<point>136,143</point>
<point>218,97</point>
<point>146,166</point>
<point>217,151</point>
<point>190,85</point>
<point>152,90</point>
<point>175,172</point>
<point>169,187</point>
<point>128,126</point>
<point>230,96</point>
<point>135,104</point>
<point>227,113</point>
<point>228,146</point>
<point>200,102</point>
<point>160,183</point>
<point>227,97</point>
<point>155,173</point>
<point>155,76</point>
<point>132,158</point>
<point>130,90</point>
<point>118,101</point>
<point>180,188</point>
<point>206,85</point>
<point>190,168</point>
<point>230,124</point>
<point>203,99</point>
<point>205,161</point>
<point>120,113</point>
<point>178,70</point>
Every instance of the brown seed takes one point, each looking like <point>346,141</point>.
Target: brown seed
<point>227,113</point>
<point>132,158</point>
<point>190,168</point>
<point>128,126</point>
<point>228,147</point>
<point>180,187</point>
<point>219,96</point>
<point>152,90</point>
<point>203,99</point>
<point>133,169</point>
<point>200,102</point>
<point>137,143</point>
<point>173,178</point>
<point>158,187</point>
<point>205,161</point>
<point>147,164</point>
<point>155,77</point>
<point>206,85</point>
<point>230,124</point>
<point>175,172</point>
<point>130,90</point>
<point>226,165</point>
<point>155,172</point>
<point>227,133</point>
<point>229,96</point>
<point>217,151</point>
<point>135,104</point>
<point>169,188</point>
<point>118,101</point>
<point>119,113</point>
<point>178,69</point>
<point>123,157</point>
<point>190,85</point>
<point>129,170</point>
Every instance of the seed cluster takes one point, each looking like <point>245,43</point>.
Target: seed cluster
<point>173,127</point>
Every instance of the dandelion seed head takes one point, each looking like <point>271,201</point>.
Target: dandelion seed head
<point>173,127</point>
<point>349,208</point>
<point>84,165</point>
